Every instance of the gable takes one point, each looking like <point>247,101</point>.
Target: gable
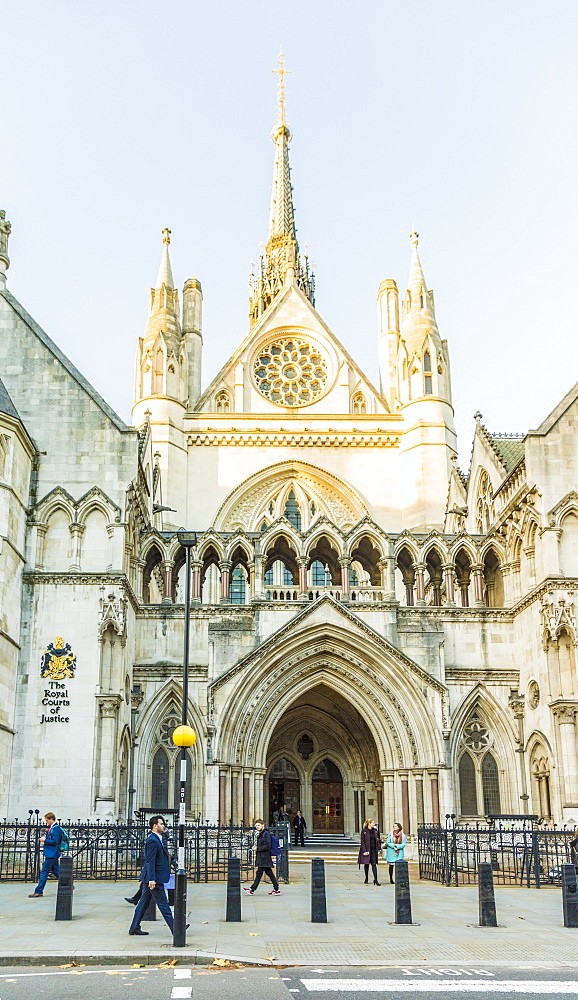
<point>291,364</point>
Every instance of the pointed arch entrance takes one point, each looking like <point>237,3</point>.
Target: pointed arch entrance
<point>323,759</point>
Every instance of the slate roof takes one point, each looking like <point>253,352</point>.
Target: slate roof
<point>510,448</point>
<point>6,404</point>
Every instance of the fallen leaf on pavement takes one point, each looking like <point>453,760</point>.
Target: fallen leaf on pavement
<point>254,933</point>
<point>271,958</point>
<point>221,962</point>
<point>204,921</point>
<point>138,966</point>
<point>169,964</point>
<point>69,965</point>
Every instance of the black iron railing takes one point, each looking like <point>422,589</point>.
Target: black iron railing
<point>522,854</point>
<point>116,850</point>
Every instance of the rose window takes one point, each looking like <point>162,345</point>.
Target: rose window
<point>476,736</point>
<point>290,372</point>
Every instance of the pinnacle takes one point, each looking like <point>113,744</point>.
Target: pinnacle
<point>165,275</point>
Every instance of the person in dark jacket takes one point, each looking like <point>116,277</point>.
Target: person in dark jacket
<point>134,899</point>
<point>51,852</point>
<point>300,827</point>
<point>155,873</point>
<point>263,860</point>
<point>369,849</point>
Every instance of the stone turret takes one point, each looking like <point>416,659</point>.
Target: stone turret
<point>5,230</point>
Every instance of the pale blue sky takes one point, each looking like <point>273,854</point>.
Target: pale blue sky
<point>119,118</point>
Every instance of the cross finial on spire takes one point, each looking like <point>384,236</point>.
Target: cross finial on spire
<point>281,71</point>
<point>166,235</point>
<point>414,237</point>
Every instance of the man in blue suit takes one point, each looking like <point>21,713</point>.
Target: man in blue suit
<point>51,850</point>
<point>155,874</point>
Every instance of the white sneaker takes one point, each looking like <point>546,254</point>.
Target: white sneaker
<point>246,889</point>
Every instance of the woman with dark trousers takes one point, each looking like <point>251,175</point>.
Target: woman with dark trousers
<point>369,849</point>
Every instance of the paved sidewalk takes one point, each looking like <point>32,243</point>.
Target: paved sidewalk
<point>277,929</point>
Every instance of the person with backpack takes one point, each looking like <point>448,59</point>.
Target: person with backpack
<point>263,860</point>
<point>54,842</point>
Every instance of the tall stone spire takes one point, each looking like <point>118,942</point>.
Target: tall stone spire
<point>426,368</point>
<point>165,275</point>
<point>281,262</point>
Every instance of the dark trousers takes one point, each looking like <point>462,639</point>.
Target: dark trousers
<point>48,865</point>
<point>374,870</point>
<point>259,875</point>
<point>300,836</point>
<point>160,897</point>
<point>391,867</point>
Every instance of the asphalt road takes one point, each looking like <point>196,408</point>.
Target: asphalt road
<point>345,983</point>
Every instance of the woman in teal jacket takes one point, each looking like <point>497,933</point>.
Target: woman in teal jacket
<point>395,847</point>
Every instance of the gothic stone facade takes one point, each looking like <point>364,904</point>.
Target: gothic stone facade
<point>373,632</point>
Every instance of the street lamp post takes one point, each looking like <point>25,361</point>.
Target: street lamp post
<point>183,737</point>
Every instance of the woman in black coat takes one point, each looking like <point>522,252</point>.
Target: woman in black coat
<point>369,849</point>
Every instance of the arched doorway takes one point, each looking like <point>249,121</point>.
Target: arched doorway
<point>327,798</point>
<point>322,758</point>
<point>284,788</point>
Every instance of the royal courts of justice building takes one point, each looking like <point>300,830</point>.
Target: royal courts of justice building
<point>373,630</point>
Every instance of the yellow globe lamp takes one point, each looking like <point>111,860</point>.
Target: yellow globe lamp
<point>184,736</point>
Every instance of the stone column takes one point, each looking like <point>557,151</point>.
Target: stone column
<point>258,798</point>
<point>478,573</point>
<point>106,763</point>
<point>37,555</point>
<point>167,582</point>
<point>389,805</point>
<point>435,797</point>
<point>448,570</point>
<point>345,563</point>
<point>387,567</point>
<point>258,594</point>
<point>419,809</point>
<point>247,817</point>
<point>420,583</point>
<point>566,715</point>
<point>251,582</point>
<point>225,568</point>
<point>77,531</point>
<point>196,568</point>
<point>405,804</point>
<point>302,577</point>
<point>236,796</point>
<point>140,565</point>
<point>223,805</point>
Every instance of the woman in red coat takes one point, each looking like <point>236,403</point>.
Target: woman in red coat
<point>369,849</point>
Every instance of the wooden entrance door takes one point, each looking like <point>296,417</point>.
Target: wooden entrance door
<point>327,798</point>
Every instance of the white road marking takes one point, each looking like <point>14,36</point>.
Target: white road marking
<point>182,993</point>
<point>440,986</point>
<point>183,973</point>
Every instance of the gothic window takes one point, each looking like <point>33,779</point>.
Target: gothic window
<point>358,403</point>
<point>264,526</point>
<point>291,372</point>
<point>284,770</point>
<point>353,581</point>
<point>238,586</point>
<point>287,577</point>
<point>167,727</point>
<point>320,575</point>
<point>292,511</point>
<point>268,578</point>
<point>468,793</point>
<point>3,454</point>
<point>160,780</point>
<point>476,736</point>
<point>490,785</point>
<point>222,402</point>
<point>159,366</point>
<point>313,509</point>
<point>427,377</point>
<point>484,504</point>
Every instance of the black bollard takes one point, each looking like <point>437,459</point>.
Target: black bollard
<point>569,896</point>
<point>233,890</point>
<point>486,898</point>
<point>65,890</point>
<point>318,899</point>
<point>402,896</point>
<point>151,911</point>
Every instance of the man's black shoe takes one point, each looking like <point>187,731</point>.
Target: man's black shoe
<point>140,933</point>
<point>128,900</point>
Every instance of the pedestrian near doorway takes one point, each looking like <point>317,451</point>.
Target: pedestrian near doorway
<point>155,874</point>
<point>395,845</point>
<point>369,849</point>
<point>263,860</point>
<point>300,827</point>
<point>51,851</point>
